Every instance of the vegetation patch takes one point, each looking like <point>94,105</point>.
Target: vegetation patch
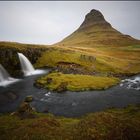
<point>92,61</point>
<point>66,61</point>
<point>75,82</point>
<point>112,124</point>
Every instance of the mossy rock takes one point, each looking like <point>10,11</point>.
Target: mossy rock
<point>25,110</point>
<point>29,98</point>
<point>62,87</point>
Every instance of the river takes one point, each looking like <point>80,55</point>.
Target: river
<point>68,104</point>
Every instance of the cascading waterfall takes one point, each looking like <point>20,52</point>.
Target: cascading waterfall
<point>3,74</point>
<point>27,67</point>
<point>5,78</point>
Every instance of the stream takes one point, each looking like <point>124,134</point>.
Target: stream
<point>68,104</point>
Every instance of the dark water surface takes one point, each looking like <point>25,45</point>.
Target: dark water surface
<point>69,104</point>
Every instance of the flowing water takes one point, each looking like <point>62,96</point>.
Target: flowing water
<point>69,104</point>
<point>5,78</point>
<point>27,67</point>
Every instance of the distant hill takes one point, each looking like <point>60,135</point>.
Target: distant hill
<point>96,31</point>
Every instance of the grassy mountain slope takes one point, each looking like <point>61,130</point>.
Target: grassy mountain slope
<point>95,48</point>
<point>95,31</point>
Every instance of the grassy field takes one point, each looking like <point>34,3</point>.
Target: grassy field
<point>113,124</point>
<point>105,65</point>
<point>52,58</point>
<point>108,60</point>
<point>71,82</point>
<point>16,45</point>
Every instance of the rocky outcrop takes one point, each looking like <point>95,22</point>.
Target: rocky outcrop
<point>87,58</point>
<point>9,58</point>
<point>25,110</point>
<point>94,18</point>
<point>74,68</point>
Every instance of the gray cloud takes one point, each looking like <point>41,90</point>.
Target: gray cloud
<point>51,21</point>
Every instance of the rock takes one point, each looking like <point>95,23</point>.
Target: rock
<point>46,111</point>
<point>29,98</point>
<point>87,58</point>
<point>25,110</point>
<point>11,95</point>
<point>62,87</point>
<point>9,58</point>
<point>94,17</point>
<point>49,80</point>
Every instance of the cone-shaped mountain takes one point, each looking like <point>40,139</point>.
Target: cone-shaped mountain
<point>96,31</point>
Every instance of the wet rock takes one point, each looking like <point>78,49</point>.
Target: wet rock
<point>46,110</point>
<point>29,98</point>
<point>25,110</point>
<point>7,97</point>
<point>11,95</point>
<point>8,55</point>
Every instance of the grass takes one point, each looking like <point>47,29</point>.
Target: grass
<point>109,62</point>
<point>76,82</point>
<point>111,59</point>
<point>112,124</point>
<point>20,46</point>
<point>96,36</point>
<point>53,57</point>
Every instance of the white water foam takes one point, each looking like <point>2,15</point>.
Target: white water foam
<point>131,83</point>
<point>27,67</point>
<point>47,94</point>
<point>5,78</point>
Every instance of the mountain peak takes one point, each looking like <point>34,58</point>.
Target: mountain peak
<point>94,17</point>
<point>96,31</point>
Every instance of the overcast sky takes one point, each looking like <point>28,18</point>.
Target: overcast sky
<point>51,21</point>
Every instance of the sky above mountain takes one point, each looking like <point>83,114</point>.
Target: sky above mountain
<point>50,21</point>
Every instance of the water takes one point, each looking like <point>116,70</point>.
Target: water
<point>26,65</point>
<point>5,78</point>
<point>133,83</point>
<point>68,104</point>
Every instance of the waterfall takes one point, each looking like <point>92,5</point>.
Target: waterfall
<point>5,78</point>
<point>3,74</point>
<point>27,67</point>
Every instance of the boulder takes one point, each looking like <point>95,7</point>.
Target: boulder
<point>29,98</point>
<point>25,110</point>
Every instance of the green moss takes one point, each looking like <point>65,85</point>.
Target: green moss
<point>75,82</point>
<point>114,123</point>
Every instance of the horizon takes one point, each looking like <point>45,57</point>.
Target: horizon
<point>47,23</point>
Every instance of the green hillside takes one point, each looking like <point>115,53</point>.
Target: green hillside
<point>95,31</point>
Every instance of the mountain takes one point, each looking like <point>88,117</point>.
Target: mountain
<point>96,31</point>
